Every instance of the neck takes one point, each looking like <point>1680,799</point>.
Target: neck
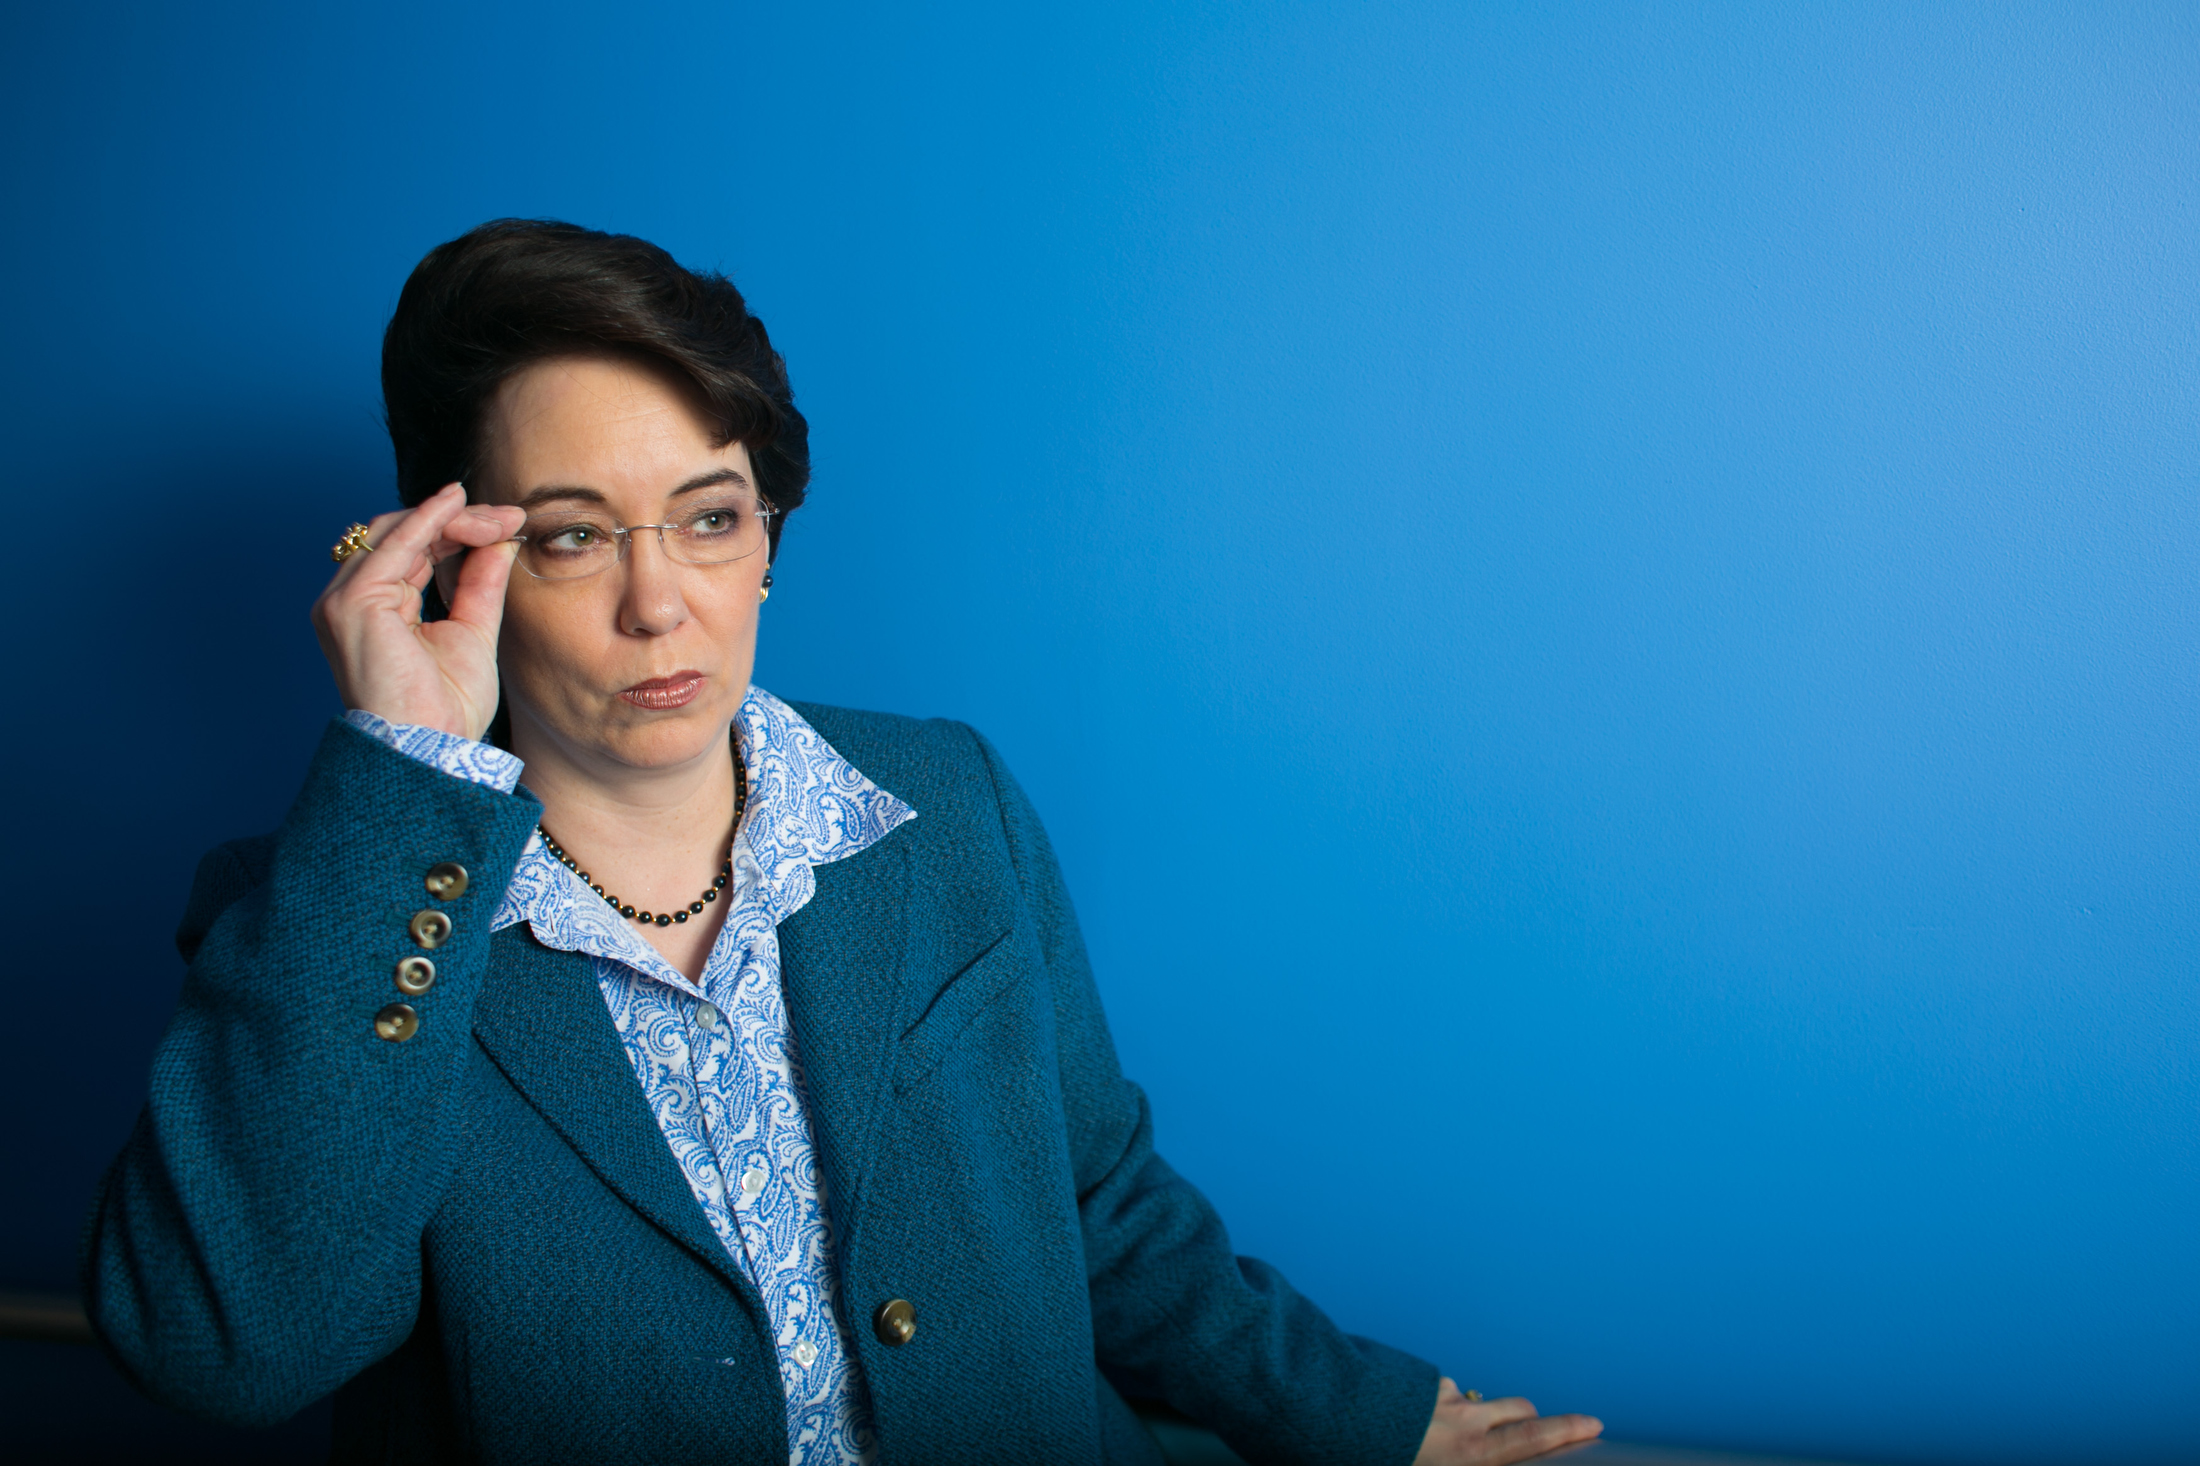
<point>654,836</point>
<point>636,824</point>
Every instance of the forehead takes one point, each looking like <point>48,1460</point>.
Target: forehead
<point>618,426</point>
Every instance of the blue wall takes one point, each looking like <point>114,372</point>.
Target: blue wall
<point>1600,601</point>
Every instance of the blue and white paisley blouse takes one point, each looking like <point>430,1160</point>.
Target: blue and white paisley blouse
<point>715,1059</point>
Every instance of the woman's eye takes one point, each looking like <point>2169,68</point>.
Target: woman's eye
<point>714,522</point>
<point>574,539</point>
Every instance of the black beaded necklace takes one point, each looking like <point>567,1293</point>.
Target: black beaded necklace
<point>695,907</point>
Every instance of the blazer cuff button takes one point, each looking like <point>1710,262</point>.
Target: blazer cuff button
<point>430,929</point>
<point>396,1023</point>
<point>447,881</point>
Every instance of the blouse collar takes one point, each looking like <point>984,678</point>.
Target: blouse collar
<point>807,807</point>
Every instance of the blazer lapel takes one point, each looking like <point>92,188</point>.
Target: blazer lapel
<point>842,958</point>
<point>544,1024</point>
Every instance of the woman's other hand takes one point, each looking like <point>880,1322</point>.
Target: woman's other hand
<point>440,674</point>
<point>1496,1432</point>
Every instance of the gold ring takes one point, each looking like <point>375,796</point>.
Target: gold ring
<point>1474,1397</point>
<point>354,540</point>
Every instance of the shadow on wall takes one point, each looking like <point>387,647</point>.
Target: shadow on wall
<point>184,693</point>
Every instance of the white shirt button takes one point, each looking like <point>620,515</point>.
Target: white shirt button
<point>805,1354</point>
<point>707,1016</point>
<point>752,1182</point>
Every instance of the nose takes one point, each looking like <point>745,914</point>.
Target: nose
<point>652,604</point>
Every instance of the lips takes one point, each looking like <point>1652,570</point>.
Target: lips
<point>675,691</point>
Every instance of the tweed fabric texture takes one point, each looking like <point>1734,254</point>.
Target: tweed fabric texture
<point>717,1065</point>
<point>503,1262</point>
<point>715,1061</point>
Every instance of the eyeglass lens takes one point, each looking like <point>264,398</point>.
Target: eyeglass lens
<point>566,545</point>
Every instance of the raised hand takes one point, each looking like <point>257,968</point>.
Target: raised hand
<point>1496,1432</point>
<point>441,674</point>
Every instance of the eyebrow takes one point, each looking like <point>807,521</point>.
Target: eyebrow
<point>553,493</point>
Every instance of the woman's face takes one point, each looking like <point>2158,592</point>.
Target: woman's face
<point>643,664</point>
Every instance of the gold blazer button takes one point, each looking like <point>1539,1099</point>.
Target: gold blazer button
<point>895,1323</point>
<point>447,882</point>
<point>415,975</point>
<point>396,1023</point>
<point>430,929</point>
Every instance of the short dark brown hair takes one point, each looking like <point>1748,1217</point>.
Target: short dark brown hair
<point>514,292</point>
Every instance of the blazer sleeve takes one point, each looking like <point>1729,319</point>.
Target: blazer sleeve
<point>257,1241</point>
<point>1176,1314</point>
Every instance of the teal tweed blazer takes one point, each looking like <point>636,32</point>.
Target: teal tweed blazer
<point>479,1241</point>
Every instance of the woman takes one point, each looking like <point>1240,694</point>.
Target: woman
<point>735,1089</point>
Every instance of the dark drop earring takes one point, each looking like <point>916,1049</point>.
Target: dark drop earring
<point>764,592</point>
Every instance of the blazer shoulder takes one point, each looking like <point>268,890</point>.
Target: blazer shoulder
<point>945,770</point>
<point>226,874</point>
<point>900,754</point>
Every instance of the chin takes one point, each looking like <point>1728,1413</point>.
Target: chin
<point>664,739</point>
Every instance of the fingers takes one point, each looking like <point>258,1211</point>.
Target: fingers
<point>1497,1432</point>
<point>396,539</point>
<point>400,536</point>
<point>442,524</point>
<point>1533,1437</point>
<point>442,517</point>
<point>387,579</point>
<point>1493,1413</point>
<point>478,599</point>
<point>467,539</point>
<point>378,530</point>
<point>368,619</point>
<point>478,525</point>
<point>408,542</point>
